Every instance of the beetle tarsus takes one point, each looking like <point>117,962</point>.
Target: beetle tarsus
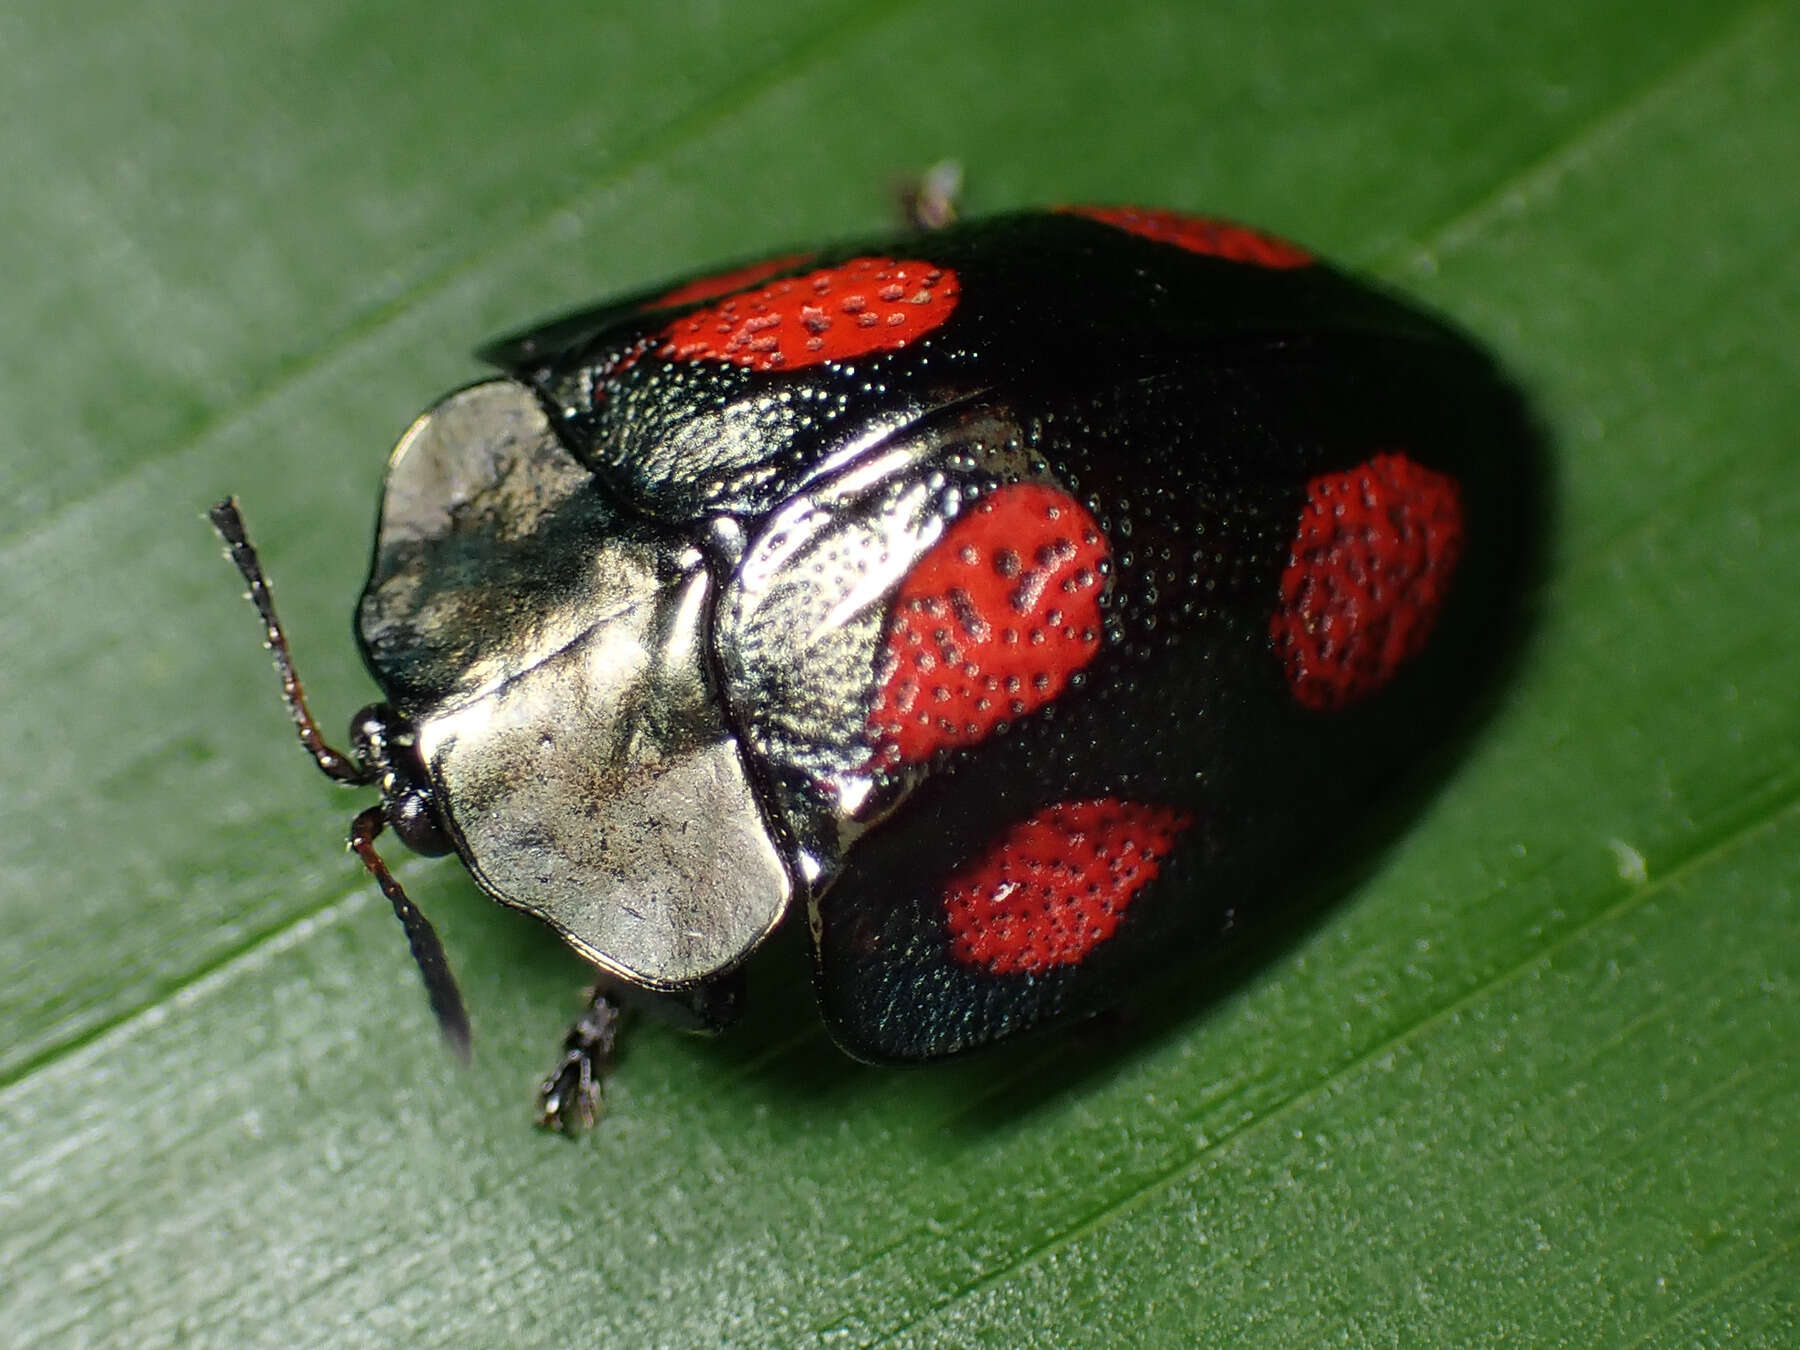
<point>928,202</point>
<point>569,1099</point>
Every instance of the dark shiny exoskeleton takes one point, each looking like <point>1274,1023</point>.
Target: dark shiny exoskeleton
<point>1028,603</point>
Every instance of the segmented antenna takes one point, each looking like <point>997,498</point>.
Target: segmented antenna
<point>427,951</point>
<point>333,763</point>
<point>421,937</point>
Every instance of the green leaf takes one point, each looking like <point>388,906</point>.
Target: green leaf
<point>1532,1082</point>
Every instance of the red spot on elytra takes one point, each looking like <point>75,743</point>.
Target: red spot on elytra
<point>857,308</point>
<point>1200,234</point>
<point>724,283</point>
<point>1369,570</point>
<point>992,623</point>
<point>1057,884</point>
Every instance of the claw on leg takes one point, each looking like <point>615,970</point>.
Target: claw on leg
<point>569,1099</point>
<point>928,202</point>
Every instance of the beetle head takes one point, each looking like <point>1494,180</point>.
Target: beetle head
<point>383,743</point>
<point>384,753</point>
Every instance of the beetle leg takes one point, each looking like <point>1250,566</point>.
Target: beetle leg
<point>569,1099</point>
<point>928,202</point>
<point>708,1007</point>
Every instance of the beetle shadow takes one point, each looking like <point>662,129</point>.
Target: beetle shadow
<point>1002,1086</point>
<point>1176,1001</point>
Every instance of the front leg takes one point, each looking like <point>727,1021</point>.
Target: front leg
<point>928,202</point>
<point>569,1099</point>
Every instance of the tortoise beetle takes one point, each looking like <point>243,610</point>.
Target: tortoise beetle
<point>1026,601</point>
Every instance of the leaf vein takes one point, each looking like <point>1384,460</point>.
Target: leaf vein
<point>1579,145</point>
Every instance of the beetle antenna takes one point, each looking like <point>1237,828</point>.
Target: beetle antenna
<point>334,763</point>
<point>427,951</point>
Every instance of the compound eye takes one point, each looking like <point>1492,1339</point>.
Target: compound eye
<point>415,819</point>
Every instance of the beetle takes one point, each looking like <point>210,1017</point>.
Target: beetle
<point>1027,602</point>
